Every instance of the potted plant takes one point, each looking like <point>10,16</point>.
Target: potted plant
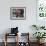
<point>38,27</point>
<point>35,26</point>
<point>39,35</point>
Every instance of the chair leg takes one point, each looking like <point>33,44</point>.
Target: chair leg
<point>5,43</point>
<point>5,40</point>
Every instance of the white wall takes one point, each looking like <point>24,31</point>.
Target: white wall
<point>24,25</point>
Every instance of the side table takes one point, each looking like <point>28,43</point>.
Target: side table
<point>8,34</point>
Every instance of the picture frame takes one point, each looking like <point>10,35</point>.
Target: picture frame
<point>18,13</point>
<point>40,12</point>
<point>41,8</point>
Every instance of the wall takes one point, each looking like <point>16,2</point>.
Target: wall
<point>24,25</point>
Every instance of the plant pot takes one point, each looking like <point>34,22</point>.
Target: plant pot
<point>40,41</point>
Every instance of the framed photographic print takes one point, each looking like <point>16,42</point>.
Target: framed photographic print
<point>41,12</point>
<point>17,13</point>
<point>41,8</point>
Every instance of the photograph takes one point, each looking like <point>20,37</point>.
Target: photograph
<point>17,13</point>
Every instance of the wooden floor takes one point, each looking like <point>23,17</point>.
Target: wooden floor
<point>13,44</point>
